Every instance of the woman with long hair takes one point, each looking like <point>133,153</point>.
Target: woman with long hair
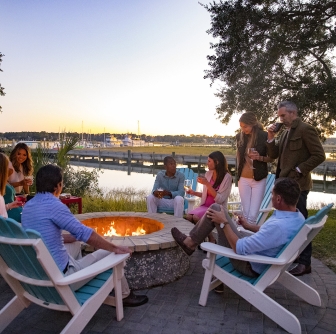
<point>217,183</point>
<point>22,164</point>
<point>252,165</point>
<point>4,172</point>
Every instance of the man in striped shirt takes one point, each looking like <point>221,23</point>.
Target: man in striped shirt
<point>46,214</point>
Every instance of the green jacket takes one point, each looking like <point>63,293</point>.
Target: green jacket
<point>303,150</point>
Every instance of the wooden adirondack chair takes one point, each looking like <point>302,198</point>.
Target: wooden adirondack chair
<point>31,272</point>
<point>188,174</point>
<point>266,204</point>
<point>218,266</point>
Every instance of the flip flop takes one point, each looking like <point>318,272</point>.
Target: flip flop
<point>179,237</point>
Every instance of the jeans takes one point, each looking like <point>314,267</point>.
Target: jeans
<point>204,226</point>
<point>305,256</point>
<point>251,194</point>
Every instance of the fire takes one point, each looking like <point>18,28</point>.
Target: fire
<point>113,232</point>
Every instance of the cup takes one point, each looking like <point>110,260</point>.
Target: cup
<point>21,198</point>
<point>160,192</point>
<point>29,178</point>
<point>278,126</point>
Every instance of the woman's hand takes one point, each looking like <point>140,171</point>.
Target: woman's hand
<point>203,180</point>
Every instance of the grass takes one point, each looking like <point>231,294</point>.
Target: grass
<point>129,199</point>
<point>324,246</point>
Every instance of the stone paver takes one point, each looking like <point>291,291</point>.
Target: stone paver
<point>173,308</point>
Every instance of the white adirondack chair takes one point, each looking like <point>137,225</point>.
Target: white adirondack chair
<point>218,269</point>
<point>31,272</point>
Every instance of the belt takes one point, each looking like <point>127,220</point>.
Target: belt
<point>66,268</point>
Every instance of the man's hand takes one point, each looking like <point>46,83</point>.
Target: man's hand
<point>270,132</point>
<point>216,216</point>
<point>122,250</point>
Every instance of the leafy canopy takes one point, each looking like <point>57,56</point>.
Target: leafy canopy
<point>266,51</point>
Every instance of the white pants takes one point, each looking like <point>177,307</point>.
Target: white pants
<point>251,194</point>
<point>77,262</point>
<point>176,203</point>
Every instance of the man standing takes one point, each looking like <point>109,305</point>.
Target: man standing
<point>299,151</point>
<point>46,214</point>
<point>168,189</point>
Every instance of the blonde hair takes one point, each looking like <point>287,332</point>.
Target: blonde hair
<point>3,173</point>
<point>249,118</point>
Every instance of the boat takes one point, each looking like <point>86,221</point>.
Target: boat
<point>128,141</point>
<point>113,141</point>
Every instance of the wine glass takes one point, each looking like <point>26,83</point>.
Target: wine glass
<point>187,187</point>
<point>250,152</point>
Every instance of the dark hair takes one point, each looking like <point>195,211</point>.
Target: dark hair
<point>47,178</point>
<point>221,167</point>
<point>27,165</point>
<point>167,159</point>
<point>288,189</point>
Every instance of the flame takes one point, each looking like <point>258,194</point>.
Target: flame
<point>113,232</point>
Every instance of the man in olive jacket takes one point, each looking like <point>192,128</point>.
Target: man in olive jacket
<point>299,151</point>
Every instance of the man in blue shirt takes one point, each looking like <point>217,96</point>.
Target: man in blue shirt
<point>168,189</point>
<point>268,239</point>
<point>46,214</point>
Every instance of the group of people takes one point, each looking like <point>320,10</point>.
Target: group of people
<point>298,150</point>
<point>45,213</point>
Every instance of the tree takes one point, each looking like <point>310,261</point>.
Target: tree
<point>272,50</point>
<point>2,93</point>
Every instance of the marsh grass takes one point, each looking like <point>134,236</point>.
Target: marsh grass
<point>117,199</point>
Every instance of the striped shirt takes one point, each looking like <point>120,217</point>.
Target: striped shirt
<point>47,215</point>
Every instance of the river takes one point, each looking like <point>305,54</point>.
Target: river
<point>110,179</point>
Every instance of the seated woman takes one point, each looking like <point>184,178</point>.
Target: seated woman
<point>4,208</point>
<point>22,165</point>
<point>217,185</point>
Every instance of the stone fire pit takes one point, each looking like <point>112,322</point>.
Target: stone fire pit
<point>156,258</point>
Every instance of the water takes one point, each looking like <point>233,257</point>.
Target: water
<point>110,179</point>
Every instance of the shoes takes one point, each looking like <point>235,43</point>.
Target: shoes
<point>179,237</point>
<point>300,270</point>
<point>219,288</point>
<point>133,300</point>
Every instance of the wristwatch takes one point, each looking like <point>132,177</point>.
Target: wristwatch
<point>221,225</point>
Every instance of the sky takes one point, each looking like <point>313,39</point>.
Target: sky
<point>117,66</point>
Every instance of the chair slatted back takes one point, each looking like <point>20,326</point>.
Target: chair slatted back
<point>266,202</point>
<point>23,259</point>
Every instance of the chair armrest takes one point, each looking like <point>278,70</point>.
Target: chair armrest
<point>191,199</point>
<point>102,265</point>
<point>228,252</point>
<point>234,203</point>
<point>266,210</point>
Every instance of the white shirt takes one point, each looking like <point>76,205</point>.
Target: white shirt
<point>16,177</point>
<point>3,211</point>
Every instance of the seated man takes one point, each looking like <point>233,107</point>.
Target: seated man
<point>284,223</point>
<point>46,214</point>
<point>168,189</point>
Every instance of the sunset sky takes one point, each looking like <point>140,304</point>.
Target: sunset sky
<point>107,65</point>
